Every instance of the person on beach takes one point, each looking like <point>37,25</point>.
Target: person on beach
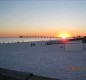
<point>32,44</point>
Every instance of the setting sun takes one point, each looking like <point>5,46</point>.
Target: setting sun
<point>64,35</point>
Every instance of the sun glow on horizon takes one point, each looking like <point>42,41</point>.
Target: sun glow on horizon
<point>64,35</point>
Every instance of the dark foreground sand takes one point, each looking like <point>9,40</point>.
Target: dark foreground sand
<point>6,74</point>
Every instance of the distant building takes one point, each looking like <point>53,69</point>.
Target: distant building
<point>84,39</point>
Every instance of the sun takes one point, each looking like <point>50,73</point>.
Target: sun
<point>64,35</point>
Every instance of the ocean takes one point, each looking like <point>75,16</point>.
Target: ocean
<point>14,40</point>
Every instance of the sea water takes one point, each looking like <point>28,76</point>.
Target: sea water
<point>13,40</point>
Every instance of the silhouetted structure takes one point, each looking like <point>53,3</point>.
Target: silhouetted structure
<point>21,36</point>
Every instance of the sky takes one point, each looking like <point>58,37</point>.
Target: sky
<point>42,17</point>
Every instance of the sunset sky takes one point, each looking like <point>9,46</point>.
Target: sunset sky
<point>42,17</point>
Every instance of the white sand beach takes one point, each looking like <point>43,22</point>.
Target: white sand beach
<point>44,60</point>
